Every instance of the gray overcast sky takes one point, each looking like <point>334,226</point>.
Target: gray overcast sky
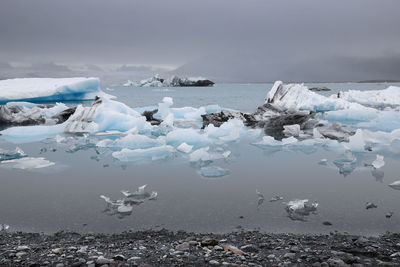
<point>226,39</point>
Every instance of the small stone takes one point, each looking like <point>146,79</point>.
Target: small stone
<point>271,256</point>
<point>213,262</point>
<point>218,248</point>
<point>22,248</point>
<point>131,259</point>
<point>249,248</point>
<point>207,241</point>
<point>119,257</point>
<point>183,247</point>
<point>59,265</point>
<point>334,262</point>
<point>101,260</point>
<point>21,254</point>
<point>57,250</point>
<point>142,247</point>
<point>233,249</point>
<point>327,223</point>
<point>289,255</point>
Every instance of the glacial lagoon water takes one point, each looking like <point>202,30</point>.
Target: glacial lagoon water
<point>66,196</point>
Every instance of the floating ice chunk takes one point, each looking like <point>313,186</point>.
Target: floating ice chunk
<point>153,196</point>
<point>132,141</point>
<point>26,134</point>
<point>291,130</point>
<point>213,171</point>
<point>202,154</point>
<point>8,155</point>
<point>153,153</point>
<point>190,136</point>
<point>323,162</point>
<point>128,83</point>
<point>395,185</point>
<point>48,89</point>
<point>297,209</point>
<point>370,205</point>
<point>389,214</point>
<point>275,198</point>
<point>4,227</point>
<point>229,131</point>
<point>125,209</point>
<point>374,98</point>
<point>185,148</point>
<point>297,96</point>
<point>378,162</point>
<point>28,163</point>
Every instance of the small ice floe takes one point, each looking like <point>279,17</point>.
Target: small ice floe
<point>213,171</point>
<point>185,148</point>
<point>261,198</point>
<point>395,185</point>
<point>378,162</point>
<point>298,209</point>
<point>4,227</point>
<point>27,163</point>
<point>123,207</point>
<point>323,162</point>
<point>389,214</point>
<point>370,205</point>
<point>14,154</point>
<point>275,198</point>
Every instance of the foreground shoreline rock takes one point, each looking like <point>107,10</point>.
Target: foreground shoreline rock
<point>166,248</point>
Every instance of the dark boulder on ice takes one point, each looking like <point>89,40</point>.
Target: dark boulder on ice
<point>64,115</point>
<point>218,118</point>
<point>269,117</point>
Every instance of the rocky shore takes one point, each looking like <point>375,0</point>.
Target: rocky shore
<point>165,248</point>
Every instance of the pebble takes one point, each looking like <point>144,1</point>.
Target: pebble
<point>213,262</point>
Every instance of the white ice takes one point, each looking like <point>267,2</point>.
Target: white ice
<point>58,89</point>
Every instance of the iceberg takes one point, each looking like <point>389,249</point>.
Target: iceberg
<point>48,89</point>
<point>389,97</point>
<point>174,81</point>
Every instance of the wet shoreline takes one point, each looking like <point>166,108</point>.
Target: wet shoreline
<point>166,248</point>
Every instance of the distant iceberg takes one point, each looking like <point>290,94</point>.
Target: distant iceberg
<point>49,89</point>
<point>174,81</point>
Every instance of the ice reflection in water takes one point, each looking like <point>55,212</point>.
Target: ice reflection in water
<point>123,207</point>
